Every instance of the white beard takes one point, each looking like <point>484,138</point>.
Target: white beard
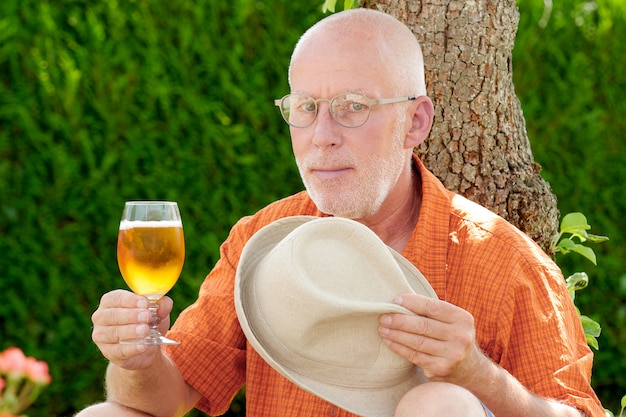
<point>364,196</point>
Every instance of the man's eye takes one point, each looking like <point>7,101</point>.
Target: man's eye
<point>356,106</point>
<point>305,107</point>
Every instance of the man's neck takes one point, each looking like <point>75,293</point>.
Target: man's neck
<point>395,226</point>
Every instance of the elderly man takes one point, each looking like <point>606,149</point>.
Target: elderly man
<point>502,337</point>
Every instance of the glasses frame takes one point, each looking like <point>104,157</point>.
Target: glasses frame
<point>370,101</point>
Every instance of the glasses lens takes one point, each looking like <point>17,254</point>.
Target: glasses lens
<point>351,109</point>
<point>299,110</point>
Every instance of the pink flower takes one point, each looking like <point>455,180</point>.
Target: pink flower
<point>37,371</point>
<point>12,360</point>
<point>21,381</point>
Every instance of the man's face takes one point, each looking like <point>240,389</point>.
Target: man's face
<point>348,172</point>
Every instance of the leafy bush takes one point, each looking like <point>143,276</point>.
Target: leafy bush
<point>102,102</point>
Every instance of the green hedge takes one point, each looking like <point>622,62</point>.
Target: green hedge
<point>102,102</point>
<point>105,101</point>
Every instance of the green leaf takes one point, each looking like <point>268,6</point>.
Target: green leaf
<point>574,222</point>
<point>565,245</point>
<point>577,281</point>
<point>597,238</point>
<point>591,327</point>
<point>608,413</point>
<point>581,235</point>
<point>329,5</point>
<point>350,4</point>
<point>623,402</point>
<point>585,251</point>
<point>576,225</point>
<point>591,341</point>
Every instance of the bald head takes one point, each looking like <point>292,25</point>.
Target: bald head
<point>387,44</point>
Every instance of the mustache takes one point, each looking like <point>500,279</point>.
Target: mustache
<point>324,161</point>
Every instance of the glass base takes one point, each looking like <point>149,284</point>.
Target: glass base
<point>151,340</point>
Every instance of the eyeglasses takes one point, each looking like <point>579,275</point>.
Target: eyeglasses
<point>348,109</point>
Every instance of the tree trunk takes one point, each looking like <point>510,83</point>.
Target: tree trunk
<point>478,146</point>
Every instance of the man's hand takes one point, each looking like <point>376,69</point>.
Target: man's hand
<point>440,338</point>
<point>123,315</point>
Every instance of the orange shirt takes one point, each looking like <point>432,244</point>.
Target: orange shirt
<point>525,320</point>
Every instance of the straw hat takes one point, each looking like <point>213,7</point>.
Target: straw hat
<point>309,293</point>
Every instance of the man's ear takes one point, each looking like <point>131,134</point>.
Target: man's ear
<point>421,122</point>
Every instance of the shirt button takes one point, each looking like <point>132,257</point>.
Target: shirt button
<point>333,411</point>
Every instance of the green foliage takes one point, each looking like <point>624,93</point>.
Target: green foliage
<point>575,226</point>
<point>329,5</point>
<point>569,74</point>
<point>107,101</point>
<point>592,329</point>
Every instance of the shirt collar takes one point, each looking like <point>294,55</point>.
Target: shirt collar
<point>428,245</point>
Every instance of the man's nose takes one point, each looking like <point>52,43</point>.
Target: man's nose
<point>326,129</point>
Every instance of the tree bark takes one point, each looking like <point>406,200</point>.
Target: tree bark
<point>478,146</point>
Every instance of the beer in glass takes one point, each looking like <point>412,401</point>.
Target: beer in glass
<point>150,254</point>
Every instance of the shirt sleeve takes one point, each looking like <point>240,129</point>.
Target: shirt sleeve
<point>525,319</point>
<point>546,347</point>
<point>212,353</point>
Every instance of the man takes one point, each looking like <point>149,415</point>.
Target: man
<point>503,335</point>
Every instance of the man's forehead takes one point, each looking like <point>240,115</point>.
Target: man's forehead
<point>340,55</point>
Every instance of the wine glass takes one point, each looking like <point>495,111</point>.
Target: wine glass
<point>150,254</point>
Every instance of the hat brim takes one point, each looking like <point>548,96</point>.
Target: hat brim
<point>379,402</point>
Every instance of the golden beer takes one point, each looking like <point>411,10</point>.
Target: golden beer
<point>150,255</point>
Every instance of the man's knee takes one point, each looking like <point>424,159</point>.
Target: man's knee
<point>110,409</point>
<point>439,399</point>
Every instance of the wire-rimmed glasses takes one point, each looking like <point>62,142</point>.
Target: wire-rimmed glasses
<point>348,109</point>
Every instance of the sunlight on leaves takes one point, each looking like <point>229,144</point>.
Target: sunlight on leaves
<point>330,5</point>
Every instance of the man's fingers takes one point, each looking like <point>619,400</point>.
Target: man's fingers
<point>430,307</point>
<point>123,299</point>
<point>115,334</point>
<point>165,307</point>
<point>120,316</point>
<point>122,307</point>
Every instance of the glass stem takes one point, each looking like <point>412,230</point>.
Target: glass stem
<point>155,320</point>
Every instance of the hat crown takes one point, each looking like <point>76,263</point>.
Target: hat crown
<point>322,286</point>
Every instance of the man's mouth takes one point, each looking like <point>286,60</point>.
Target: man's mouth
<point>329,173</point>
